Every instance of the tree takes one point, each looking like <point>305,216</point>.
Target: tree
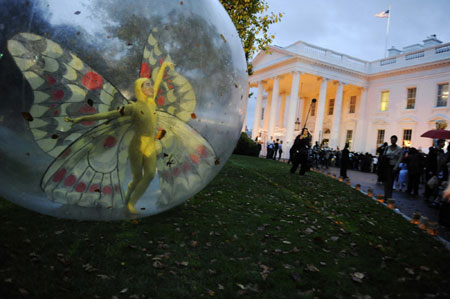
<point>252,24</point>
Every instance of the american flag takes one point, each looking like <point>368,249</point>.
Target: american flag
<point>383,14</point>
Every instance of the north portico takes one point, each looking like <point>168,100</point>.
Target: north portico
<point>356,100</point>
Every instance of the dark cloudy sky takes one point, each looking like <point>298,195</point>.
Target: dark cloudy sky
<point>350,27</point>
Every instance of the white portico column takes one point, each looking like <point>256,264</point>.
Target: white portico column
<point>320,110</point>
<point>281,114</point>
<point>257,116</point>
<point>361,125</point>
<point>267,110</point>
<point>292,111</point>
<point>334,138</point>
<point>273,107</point>
<point>300,104</point>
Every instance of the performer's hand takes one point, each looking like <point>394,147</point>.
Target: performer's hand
<point>72,120</point>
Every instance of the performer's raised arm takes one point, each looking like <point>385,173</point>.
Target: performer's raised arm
<point>160,75</point>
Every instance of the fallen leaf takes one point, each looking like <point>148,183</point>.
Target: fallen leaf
<point>311,268</point>
<point>357,277</point>
<point>410,271</point>
<point>158,265</point>
<point>265,272</point>
<point>89,268</point>
<point>309,231</point>
<point>124,291</point>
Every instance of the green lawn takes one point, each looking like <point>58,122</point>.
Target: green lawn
<point>255,231</point>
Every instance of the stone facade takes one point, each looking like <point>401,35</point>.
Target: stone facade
<point>357,101</point>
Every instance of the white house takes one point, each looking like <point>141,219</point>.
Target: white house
<point>357,101</point>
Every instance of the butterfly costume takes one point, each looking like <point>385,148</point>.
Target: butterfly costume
<point>94,132</point>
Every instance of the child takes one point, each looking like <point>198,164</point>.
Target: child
<point>402,179</point>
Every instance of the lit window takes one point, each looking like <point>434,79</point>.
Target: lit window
<point>331,107</point>
<point>348,137</point>
<point>262,113</point>
<point>313,108</point>
<point>352,104</point>
<point>407,138</point>
<point>380,137</point>
<point>442,95</point>
<point>411,100</point>
<point>384,100</point>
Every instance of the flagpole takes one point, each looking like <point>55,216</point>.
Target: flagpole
<point>387,31</point>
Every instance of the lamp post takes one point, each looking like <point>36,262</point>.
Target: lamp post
<point>297,125</point>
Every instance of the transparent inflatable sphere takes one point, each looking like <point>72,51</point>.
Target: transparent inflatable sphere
<point>116,109</point>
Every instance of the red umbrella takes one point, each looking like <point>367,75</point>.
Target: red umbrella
<point>437,134</point>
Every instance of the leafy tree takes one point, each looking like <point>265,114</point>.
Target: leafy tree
<point>252,23</point>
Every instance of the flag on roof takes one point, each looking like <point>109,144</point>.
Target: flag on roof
<point>383,14</point>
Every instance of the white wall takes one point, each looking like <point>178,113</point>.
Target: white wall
<point>397,117</point>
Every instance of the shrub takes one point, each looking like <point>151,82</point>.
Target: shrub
<point>246,146</point>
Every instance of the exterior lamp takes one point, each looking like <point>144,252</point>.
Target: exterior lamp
<point>297,125</point>
<point>423,223</point>
<point>357,187</point>
<point>334,175</point>
<point>341,179</point>
<point>370,192</point>
<point>415,218</point>
<point>379,198</point>
<point>391,203</point>
<point>432,228</point>
<point>347,182</point>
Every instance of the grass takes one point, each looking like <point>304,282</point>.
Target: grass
<point>255,231</point>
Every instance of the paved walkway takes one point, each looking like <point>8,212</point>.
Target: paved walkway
<point>403,201</point>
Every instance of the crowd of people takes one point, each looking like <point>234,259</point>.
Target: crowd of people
<point>400,169</point>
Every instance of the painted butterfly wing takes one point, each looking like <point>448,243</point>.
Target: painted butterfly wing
<point>185,161</point>
<point>90,172</point>
<point>63,86</point>
<point>175,95</point>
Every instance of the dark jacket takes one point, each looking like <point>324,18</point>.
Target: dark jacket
<point>414,162</point>
<point>300,147</point>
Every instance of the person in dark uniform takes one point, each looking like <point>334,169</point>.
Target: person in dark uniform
<point>300,151</point>
<point>344,161</point>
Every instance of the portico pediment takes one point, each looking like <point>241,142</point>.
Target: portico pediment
<point>274,55</point>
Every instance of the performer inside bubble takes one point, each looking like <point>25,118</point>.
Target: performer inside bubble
<point>142,148</point>
<point>92,130</point>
